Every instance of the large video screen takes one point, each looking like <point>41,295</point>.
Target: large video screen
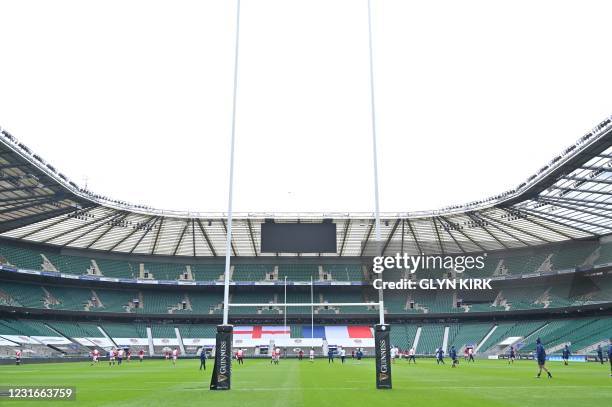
<point>298,237</point>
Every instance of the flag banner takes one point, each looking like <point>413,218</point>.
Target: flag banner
<point>383,356</point>
<point>222,370</point>
<point>262,332</point>
<point>333,333</point>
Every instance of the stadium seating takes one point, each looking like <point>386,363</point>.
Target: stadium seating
<point>23,295</point>
<point>76,330</point>
<point>197,330</point>
<point>570,256</point>
<point>163,331</point>
<point>344,272</point>
<point>517,262</point>
<point>176,300</point>
<point>596,331</point>
<point>68,298</point>
<point>160,302</point>
<point>251,272</point>
<point>464,334</point>
<point>298,272</point>
<point>25,327</point>
<point>510,329</point>
<point>402,335</point>
<point>21,257</point>
<point>117,268</point>
<point>431,338</point>
<point>207,272</point>
<point>253,298</point>
<point>115,300</point>
<point>125,330</point>
<point>204,303</point>
<point>551,333</point>
<point>582,333</point>
<point>605,254</point>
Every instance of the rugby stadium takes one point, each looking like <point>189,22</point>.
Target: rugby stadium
<point>83,273</point>
<point>110,303</point>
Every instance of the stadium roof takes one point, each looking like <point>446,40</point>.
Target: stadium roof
<point>569,198</point>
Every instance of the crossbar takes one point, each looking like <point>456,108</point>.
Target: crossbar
<point>311,304</point>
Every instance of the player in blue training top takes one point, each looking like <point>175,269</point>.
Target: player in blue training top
<point>440,356</point>
<point>566,354</point>
<point>610,356</point>
<point>599,353</point>
<point>541,358</point>
<point>453,356</point>
<point>203,359</point>
<point>511,355</point>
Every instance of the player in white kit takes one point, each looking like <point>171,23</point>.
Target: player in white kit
<point>175,353</point>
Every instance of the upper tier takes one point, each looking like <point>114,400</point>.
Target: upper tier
<point>567,256</point>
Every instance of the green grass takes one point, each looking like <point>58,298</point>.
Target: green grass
<point>294,383</point>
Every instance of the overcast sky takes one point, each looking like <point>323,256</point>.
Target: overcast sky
<point>134,97</point>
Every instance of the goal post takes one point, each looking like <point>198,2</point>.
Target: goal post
<point>221,379</point>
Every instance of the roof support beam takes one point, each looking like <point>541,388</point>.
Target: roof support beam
<point>543,216</point>
<point>8,166</point>
<point>529,219</point>
<point>51,225</point>
<point>252,237</point>
<point>158,218</point>
<point>580,201</point>
<point>347,226</point>
<point>193,243</point>
<point>526,232</point>
<point>17,189</point>
<point>97,222</point>
<point>595,180</point>
<point>28,220</point>
<point>439,240</point>
<point>119,219</point>
<point>491,222</point>
<point>22,199</point>
<point>447,230</point>
<point>403,232</point>
<point>367,238</point>
<point>474,218</point>
<point>393,229</point>
<point>178,244</point>
<point>235,253</point>
<point>416,241</point>
<point>465,235</point>
<point>595,168</point>
<point>208,242</point>
<point>597,225</point>
<point>17,178</point>
<point>126,237</point>
<point>586,191</point>
<point>574,208</point>
<point>28,205</point>
<point>161,224</point>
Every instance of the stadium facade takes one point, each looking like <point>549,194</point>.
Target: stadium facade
<point>80,271</point>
